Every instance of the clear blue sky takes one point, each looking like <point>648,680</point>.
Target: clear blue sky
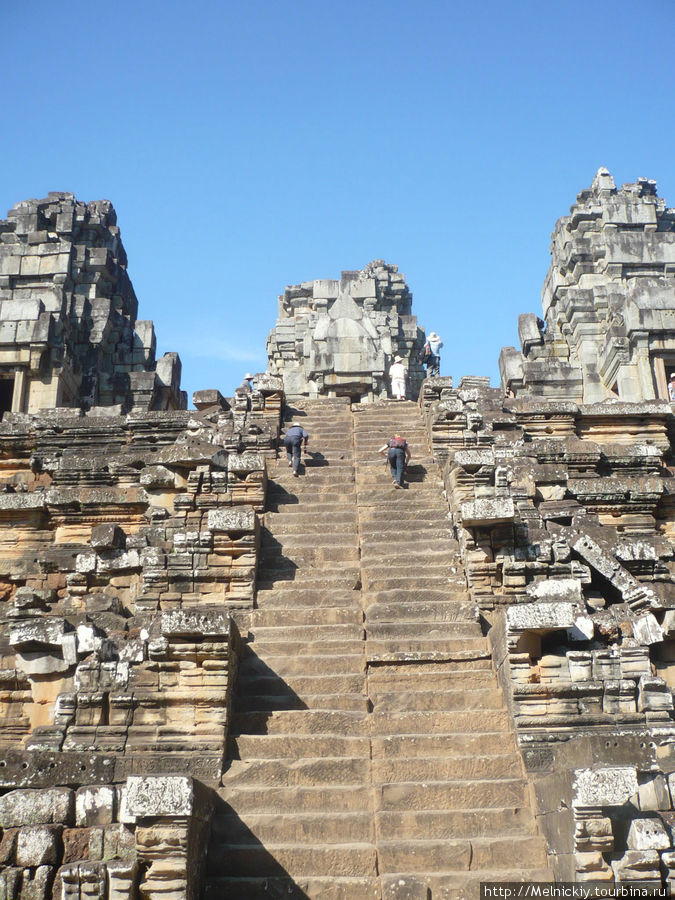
<point>255,144</point>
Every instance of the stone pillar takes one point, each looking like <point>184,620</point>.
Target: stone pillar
<point>19,395</point>
<point>172,816</point>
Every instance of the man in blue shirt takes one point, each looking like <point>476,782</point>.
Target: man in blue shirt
<point>293,440</point>
<point>435,344</point>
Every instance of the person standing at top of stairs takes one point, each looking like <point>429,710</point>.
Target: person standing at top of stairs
<point>293,441</point>
<point>434,364</point>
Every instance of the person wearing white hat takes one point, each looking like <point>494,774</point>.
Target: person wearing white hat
<point>435,344</point>
<point>671,388</point>
<point>397,373</point>
<point>244,391</point>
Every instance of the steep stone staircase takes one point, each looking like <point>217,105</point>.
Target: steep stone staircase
<point>371,754</point>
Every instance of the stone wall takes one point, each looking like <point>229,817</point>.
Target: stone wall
<point>127,545</point>
<point>69,335</point>
<point>564,516</point>
<point>338,338</point>
<point>608,327</point>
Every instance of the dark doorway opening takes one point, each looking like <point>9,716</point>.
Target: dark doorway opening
<point>6,394</point>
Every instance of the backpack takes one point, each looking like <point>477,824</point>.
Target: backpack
<point>425,354</point>
<point>397,444</point>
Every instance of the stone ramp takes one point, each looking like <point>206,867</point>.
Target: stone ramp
<point>369,745</point>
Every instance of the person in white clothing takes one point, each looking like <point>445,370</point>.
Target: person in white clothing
<point>435,344</point>
<point>397,373</point>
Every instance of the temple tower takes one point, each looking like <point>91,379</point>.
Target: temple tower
<point>338,338</point>
<point>69,335</point>
<point>608,301</point>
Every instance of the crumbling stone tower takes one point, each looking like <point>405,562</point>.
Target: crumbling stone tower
<point>69,335</point>
<point>338,338</point>
<point>609,325</point>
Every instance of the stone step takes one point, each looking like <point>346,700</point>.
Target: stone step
<point>451,744</point>
<point>441,563</point>
<point>373,479</point>
<point>303,634</point>
<point>288,576</point>
<point>307,488</point>
<point>383,497</point>
<point>408,594</point>
<point>373,559</point>
<point>316,524</point>
<point>406,540</point>
<point>421,587</point>
<point>293,664</point>
<point>269,746</point>
<point>281,618</point>
<point>428,722</point>
<point>269,685</point>
<point>288,506</point>
<point>449,610</point>
<point>466,632</point>
<point>283,543</point>
<point>301,772</point>
<point>277,702</point>
<point>422,521</point>
<point>319,648</point>
<point>320,476</point>
<point>418,701</point>
<point>306,555</point>
<point>393,679</point>
<point>285,800</point>
<point>477,853</point>
<point>321,828</point>
<point>459,768</point>
<point>466,823</point>
<point>299,722</point>
<point>271,599</point>
<point>348,859</point>
<point>297,888</point>
<point>378,649</point>
<point>348,578</point>
<point>476,794</point>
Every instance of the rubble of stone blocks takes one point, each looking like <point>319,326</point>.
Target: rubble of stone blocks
<point>69,333</point>
<point>339,337</point>
<point>126,543</point>
<point>607,330</point>
<point>563,514</point>
<point>143,838</point>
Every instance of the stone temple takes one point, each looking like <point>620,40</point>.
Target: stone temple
<point>338,338</point>
<point>217,680</point>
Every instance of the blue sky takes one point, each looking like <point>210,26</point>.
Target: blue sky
<point>251,145</point>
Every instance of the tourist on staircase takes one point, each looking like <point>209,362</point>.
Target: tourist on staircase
<point>397,373</point>
<point>398,456</point>
<point>435,344</point>
<point>244,391</point>
<point>293,441</point>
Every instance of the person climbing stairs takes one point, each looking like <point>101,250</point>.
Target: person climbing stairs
<point>370,750</point>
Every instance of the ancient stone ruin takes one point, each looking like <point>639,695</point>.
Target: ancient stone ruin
<point>338,338</point>
<point>68,329</point>
<point>609,325</point>
<point>218,680</point>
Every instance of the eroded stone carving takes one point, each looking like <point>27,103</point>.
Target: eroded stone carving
<point>338,338</point>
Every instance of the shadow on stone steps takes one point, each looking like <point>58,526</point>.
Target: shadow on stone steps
<point>222,862</point>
